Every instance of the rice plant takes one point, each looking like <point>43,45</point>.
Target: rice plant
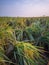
<point>16,36</point>
<point>27,54</point>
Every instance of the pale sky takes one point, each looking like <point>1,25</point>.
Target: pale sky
<point>21,8</point>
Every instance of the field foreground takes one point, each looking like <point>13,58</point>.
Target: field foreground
<point>24,40</point>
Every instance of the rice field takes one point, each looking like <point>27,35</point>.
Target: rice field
<point>24,40</point>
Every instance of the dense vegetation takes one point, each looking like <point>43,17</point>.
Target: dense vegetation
<point>24,41</point>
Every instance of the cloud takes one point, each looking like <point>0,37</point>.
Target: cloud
<point>36,10</point>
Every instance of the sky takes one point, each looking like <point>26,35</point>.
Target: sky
<point>24,8</point>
